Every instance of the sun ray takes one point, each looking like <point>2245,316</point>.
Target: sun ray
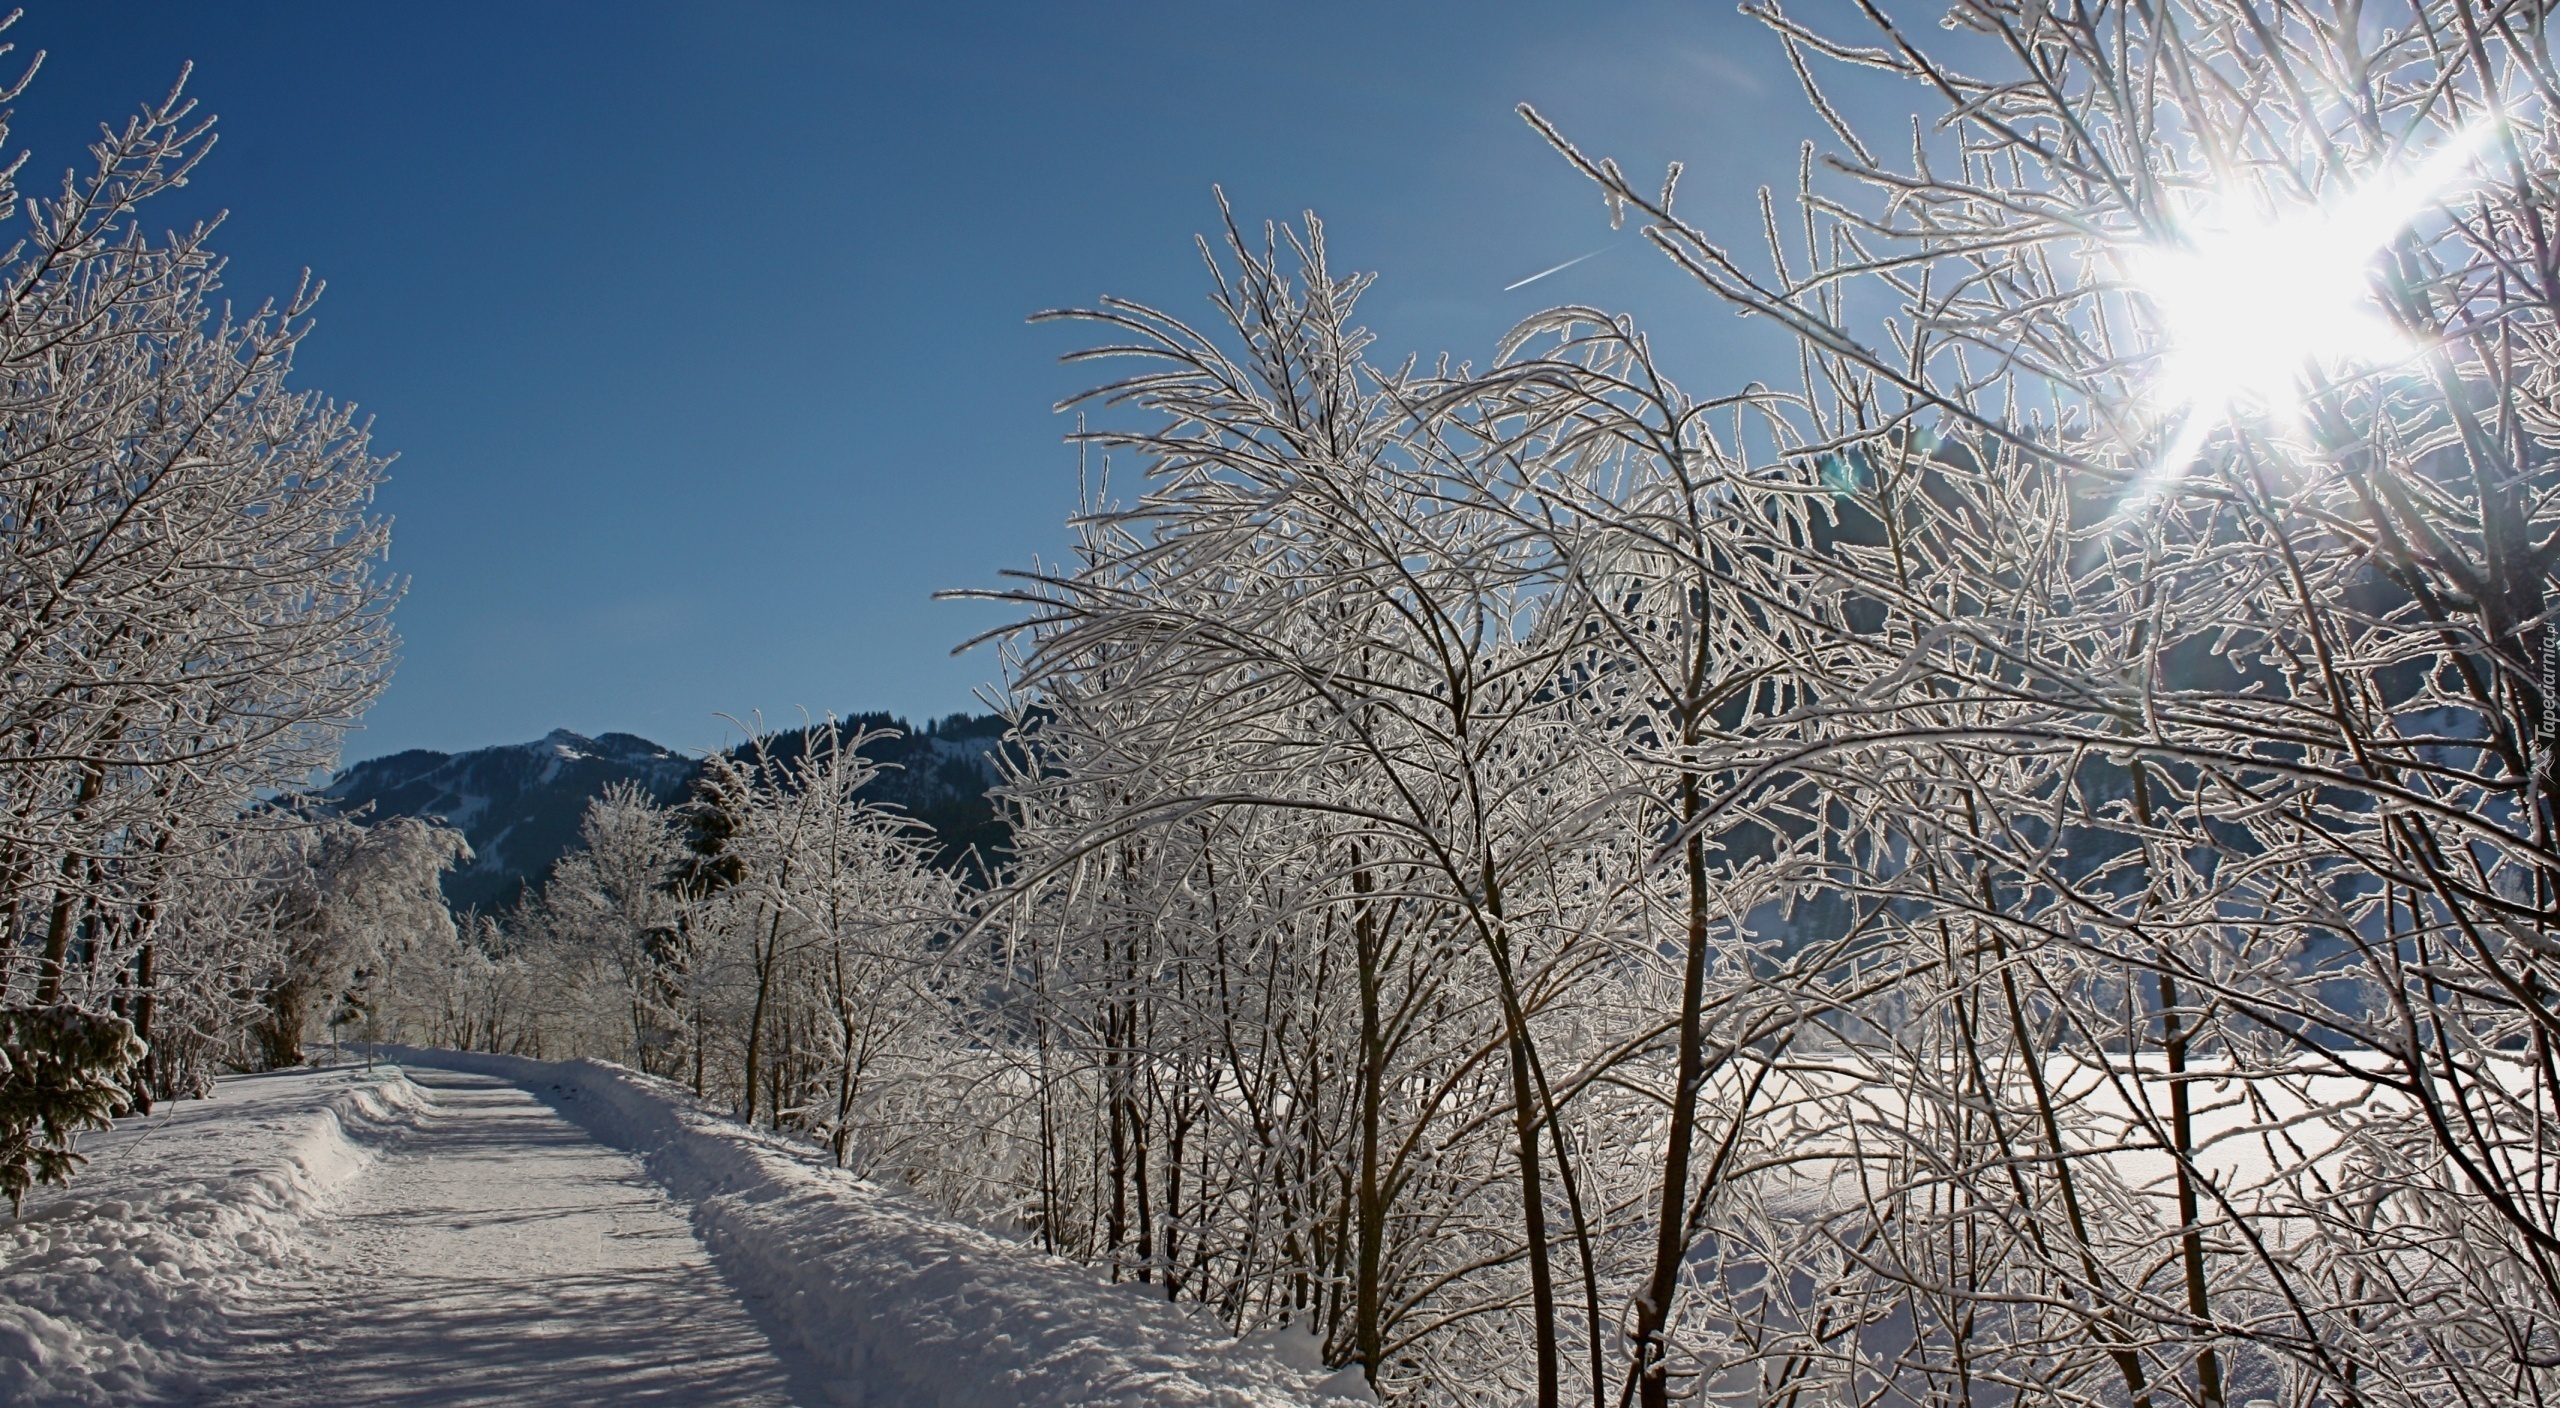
<point>2253,308</point>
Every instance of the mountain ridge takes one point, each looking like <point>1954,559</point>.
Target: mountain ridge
<point>519,804</point>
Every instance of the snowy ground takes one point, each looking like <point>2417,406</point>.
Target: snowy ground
<point>488,1230</point>
<point>119,1288</point>
<point>496,1254</point>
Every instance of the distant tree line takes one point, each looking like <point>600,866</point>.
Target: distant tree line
<point>768,940</point>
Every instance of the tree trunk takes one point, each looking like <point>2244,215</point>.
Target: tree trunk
<point>1671,1244</point>
<point>1367,1328</point>
<point>2191,1235</point>
<point>145,1004</point>
<point>1533,1217</point>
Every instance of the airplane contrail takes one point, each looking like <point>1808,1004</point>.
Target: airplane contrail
<point>1560,268</point>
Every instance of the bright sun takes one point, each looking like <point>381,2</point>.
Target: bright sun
<point>2250,308</point>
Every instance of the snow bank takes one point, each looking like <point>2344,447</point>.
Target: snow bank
<point>110,1288</point>
<point>894,1305</point>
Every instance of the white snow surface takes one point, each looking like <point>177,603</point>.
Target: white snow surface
<point>494,1230</point>
<point>115,1289</point>
<point>894,1305</point>
<point>496,1256</point>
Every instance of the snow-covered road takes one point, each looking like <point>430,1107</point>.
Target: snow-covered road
<point>497,1254</point>
<point>495,1230</point>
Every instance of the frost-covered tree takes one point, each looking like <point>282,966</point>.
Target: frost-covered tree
<point>2039,829</point>
<point>828,897</point>
<point>611,901</point>
<point>191,611</point>
<point>2181,405</point>
<point>773,939</point>
<point>1335,598</point>
<point>354,904</point>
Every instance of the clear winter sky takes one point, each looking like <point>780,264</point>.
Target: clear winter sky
<point>699,329</point>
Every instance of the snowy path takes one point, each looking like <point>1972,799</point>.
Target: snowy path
<point>496,1230</point>
<point>497,1254</point>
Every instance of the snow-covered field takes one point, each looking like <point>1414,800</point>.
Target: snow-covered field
<point>495,1230</point>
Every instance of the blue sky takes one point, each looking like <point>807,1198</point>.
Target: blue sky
<point>699,330</point>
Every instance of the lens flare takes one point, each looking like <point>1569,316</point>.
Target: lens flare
<point>2251,309</point>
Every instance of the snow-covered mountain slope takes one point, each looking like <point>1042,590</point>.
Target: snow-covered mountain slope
<point>938,773</point>
<point>518,804</point>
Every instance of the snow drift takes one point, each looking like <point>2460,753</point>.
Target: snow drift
<point>113,1288</point>
<point>893,1304</point>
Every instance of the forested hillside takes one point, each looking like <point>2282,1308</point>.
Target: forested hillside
<point>519,804</point>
